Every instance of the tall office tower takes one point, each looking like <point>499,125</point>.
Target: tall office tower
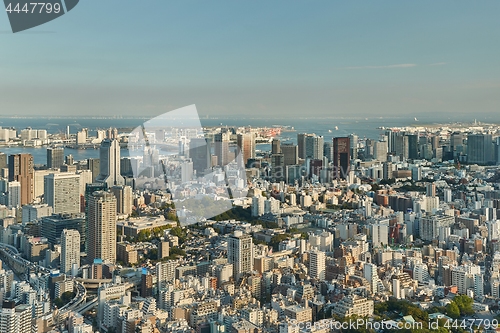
<point>52,226</point>
<point>278,165</point>
<point>390,134</point>
<point>70,250</point>
<point>276,146</point>
<point>55,157</point>
<point>199,152</point>
<point>62,192</point>
<point>124,199</point>
<point>435,142</point>
<point>328,151</point>
<point>290,154</point>
<point>126,169</point>
<point>14,194</point>
<point>457,142</point>
<point>246,143</point>
<point>317,263</point>
<point>240,253</point>
<point>314,146</point>
<point>21,169</point>
<point>94,165</point>
<point>341,157</point>
<point>301,144</point>
<point>354,145</point>
<point>221,148</point>
<point>401,146</point>
<point>101,232</point>
<point>3,161</point>
<point>110,163</point>
<point>480,148</point>
<point>380,151</point>
<point>412,146</point>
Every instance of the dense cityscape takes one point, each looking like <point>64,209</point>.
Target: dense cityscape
<point>185,229</point>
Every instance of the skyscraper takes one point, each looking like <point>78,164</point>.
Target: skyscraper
<point>341,157</point>
<point>94,165</point>
<point>380,151</point>
<point>240,253</point>
<point>55,157</point>
<point>14,194</point>
<point>314,146</point>
<point>199,152</point>
<point>276,146</point>
<point>401,146</point>
<point>221,148</point>
<point>317,264</point>
<point>110,163</point>
<point>301,143</point>
<point>21,169</point>
<point>123,196</point>
<point>70,250</point>
<point>354,145</point>
<point>290,154</point>
<point>480,148</point>
<point>328,151</point>
<point>246,143</point>
<point>62,192</point>
<point>101,227</point>
<point>413,146</point>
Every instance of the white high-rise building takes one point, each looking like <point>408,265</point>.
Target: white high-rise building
<point>85,178</point>
<point>15,319</point>
<point>370,273</point>
<point>380,151</point>
<point>258,205</point>
<point>380,234</point>
<point>70,250</point>
<point>62,192</point>
<point>322,242</point>
<point>240,253</point>
<point>165,273</point>
<point>478,281</point>
<point>124,200</point>
<point>109,157</point>
<point>464,278</point>
<point>14,194</point>
<point>448,197</point>
<point>430,225</point>
<point>493,230</point>
<point>317,264</point>
<point>421,272</point>
<point>101,227</point>
<point>187,171</point>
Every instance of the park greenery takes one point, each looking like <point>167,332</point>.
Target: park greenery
<point>64,299</point>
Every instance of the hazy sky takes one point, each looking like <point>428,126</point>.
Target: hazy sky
<point>289,58</point>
